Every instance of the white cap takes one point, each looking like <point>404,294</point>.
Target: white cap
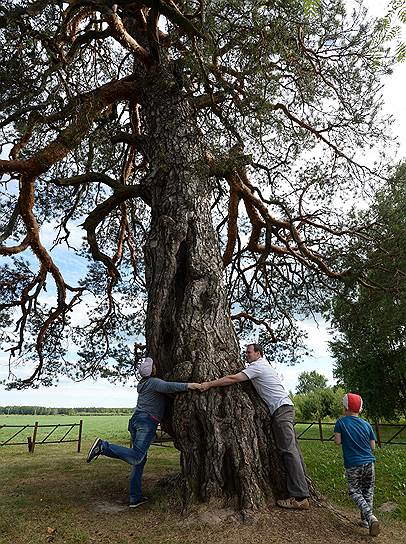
<point>145,368</point>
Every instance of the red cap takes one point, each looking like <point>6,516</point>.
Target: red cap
<point>352,402</point>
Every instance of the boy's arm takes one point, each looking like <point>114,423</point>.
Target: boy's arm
<point>337,432</point>
<point>372,438</point>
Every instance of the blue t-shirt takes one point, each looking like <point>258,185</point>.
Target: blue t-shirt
<point>356,434</point>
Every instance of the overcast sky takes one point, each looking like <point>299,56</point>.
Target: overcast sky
<point>102,393</point>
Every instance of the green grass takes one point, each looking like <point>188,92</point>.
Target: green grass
<point>325,466</point>
<point>54,487</point>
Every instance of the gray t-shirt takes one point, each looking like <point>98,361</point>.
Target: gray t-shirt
<point>152,395</point>
<point>267,383</point>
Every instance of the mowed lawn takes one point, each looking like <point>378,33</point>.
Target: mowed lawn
<point>53,495</point>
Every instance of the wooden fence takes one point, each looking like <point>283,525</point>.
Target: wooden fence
<point>386,433</point>
<point>323,432</point>
<point>162,438</point>
<point>33,440</point>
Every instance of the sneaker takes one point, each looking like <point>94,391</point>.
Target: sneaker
<point>293,503</point>
<point>374,527</point>
<point>95,450</point>
<point>140,501</point>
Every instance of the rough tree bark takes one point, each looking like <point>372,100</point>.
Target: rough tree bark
<point>224,435</point>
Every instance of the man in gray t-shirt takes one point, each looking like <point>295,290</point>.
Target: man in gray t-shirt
<point>270,388</point>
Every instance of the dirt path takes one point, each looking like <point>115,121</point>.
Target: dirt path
<point>320,525</point>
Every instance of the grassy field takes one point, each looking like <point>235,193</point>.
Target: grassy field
<point>53,495</point>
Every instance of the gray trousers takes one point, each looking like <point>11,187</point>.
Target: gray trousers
<point>285,438</point>
<point>361,482</point>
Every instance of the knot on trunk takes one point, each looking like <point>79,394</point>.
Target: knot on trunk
<point>183,372</point>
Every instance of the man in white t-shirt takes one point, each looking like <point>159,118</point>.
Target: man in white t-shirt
<point>270,388</point>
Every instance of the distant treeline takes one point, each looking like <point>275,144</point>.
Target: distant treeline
<point>44,411</point>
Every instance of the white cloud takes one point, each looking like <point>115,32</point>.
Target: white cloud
<point>290,374</point>
<point>319,358</point>
<point>49,231</point>
<point>394,84</point>
<point>69,394</point>
<point>318,337</point>
<point>73,395</point>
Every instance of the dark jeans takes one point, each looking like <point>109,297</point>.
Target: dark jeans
<point>285,438</point>
<point>143,429</point>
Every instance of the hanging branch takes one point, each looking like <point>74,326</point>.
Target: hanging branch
<point>93,103</point>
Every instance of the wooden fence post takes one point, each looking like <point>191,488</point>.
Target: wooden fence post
<point>34,437</point>
<point>80,434</point>
<point>321,430</point>
<point>378,434</point>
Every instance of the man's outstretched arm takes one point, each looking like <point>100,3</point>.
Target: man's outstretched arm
<point>222,382</point>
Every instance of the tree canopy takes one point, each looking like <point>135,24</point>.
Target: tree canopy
<point>315,399</point>
<point>310,381</point>
<point>369,319</point>
<point>275,105</point>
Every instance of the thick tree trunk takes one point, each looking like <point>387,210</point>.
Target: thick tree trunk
<point>224,435</point>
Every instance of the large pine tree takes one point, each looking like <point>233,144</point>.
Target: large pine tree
<point>204,147</point>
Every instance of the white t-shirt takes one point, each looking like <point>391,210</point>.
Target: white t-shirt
<point>267,383</point>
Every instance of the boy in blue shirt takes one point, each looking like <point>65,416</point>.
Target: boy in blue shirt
<point>358,441</point>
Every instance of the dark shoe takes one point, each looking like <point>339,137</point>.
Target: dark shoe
<point>374,527</point>
<point>95,450</point>
<point>294,504</point>
<point>140,501</point>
